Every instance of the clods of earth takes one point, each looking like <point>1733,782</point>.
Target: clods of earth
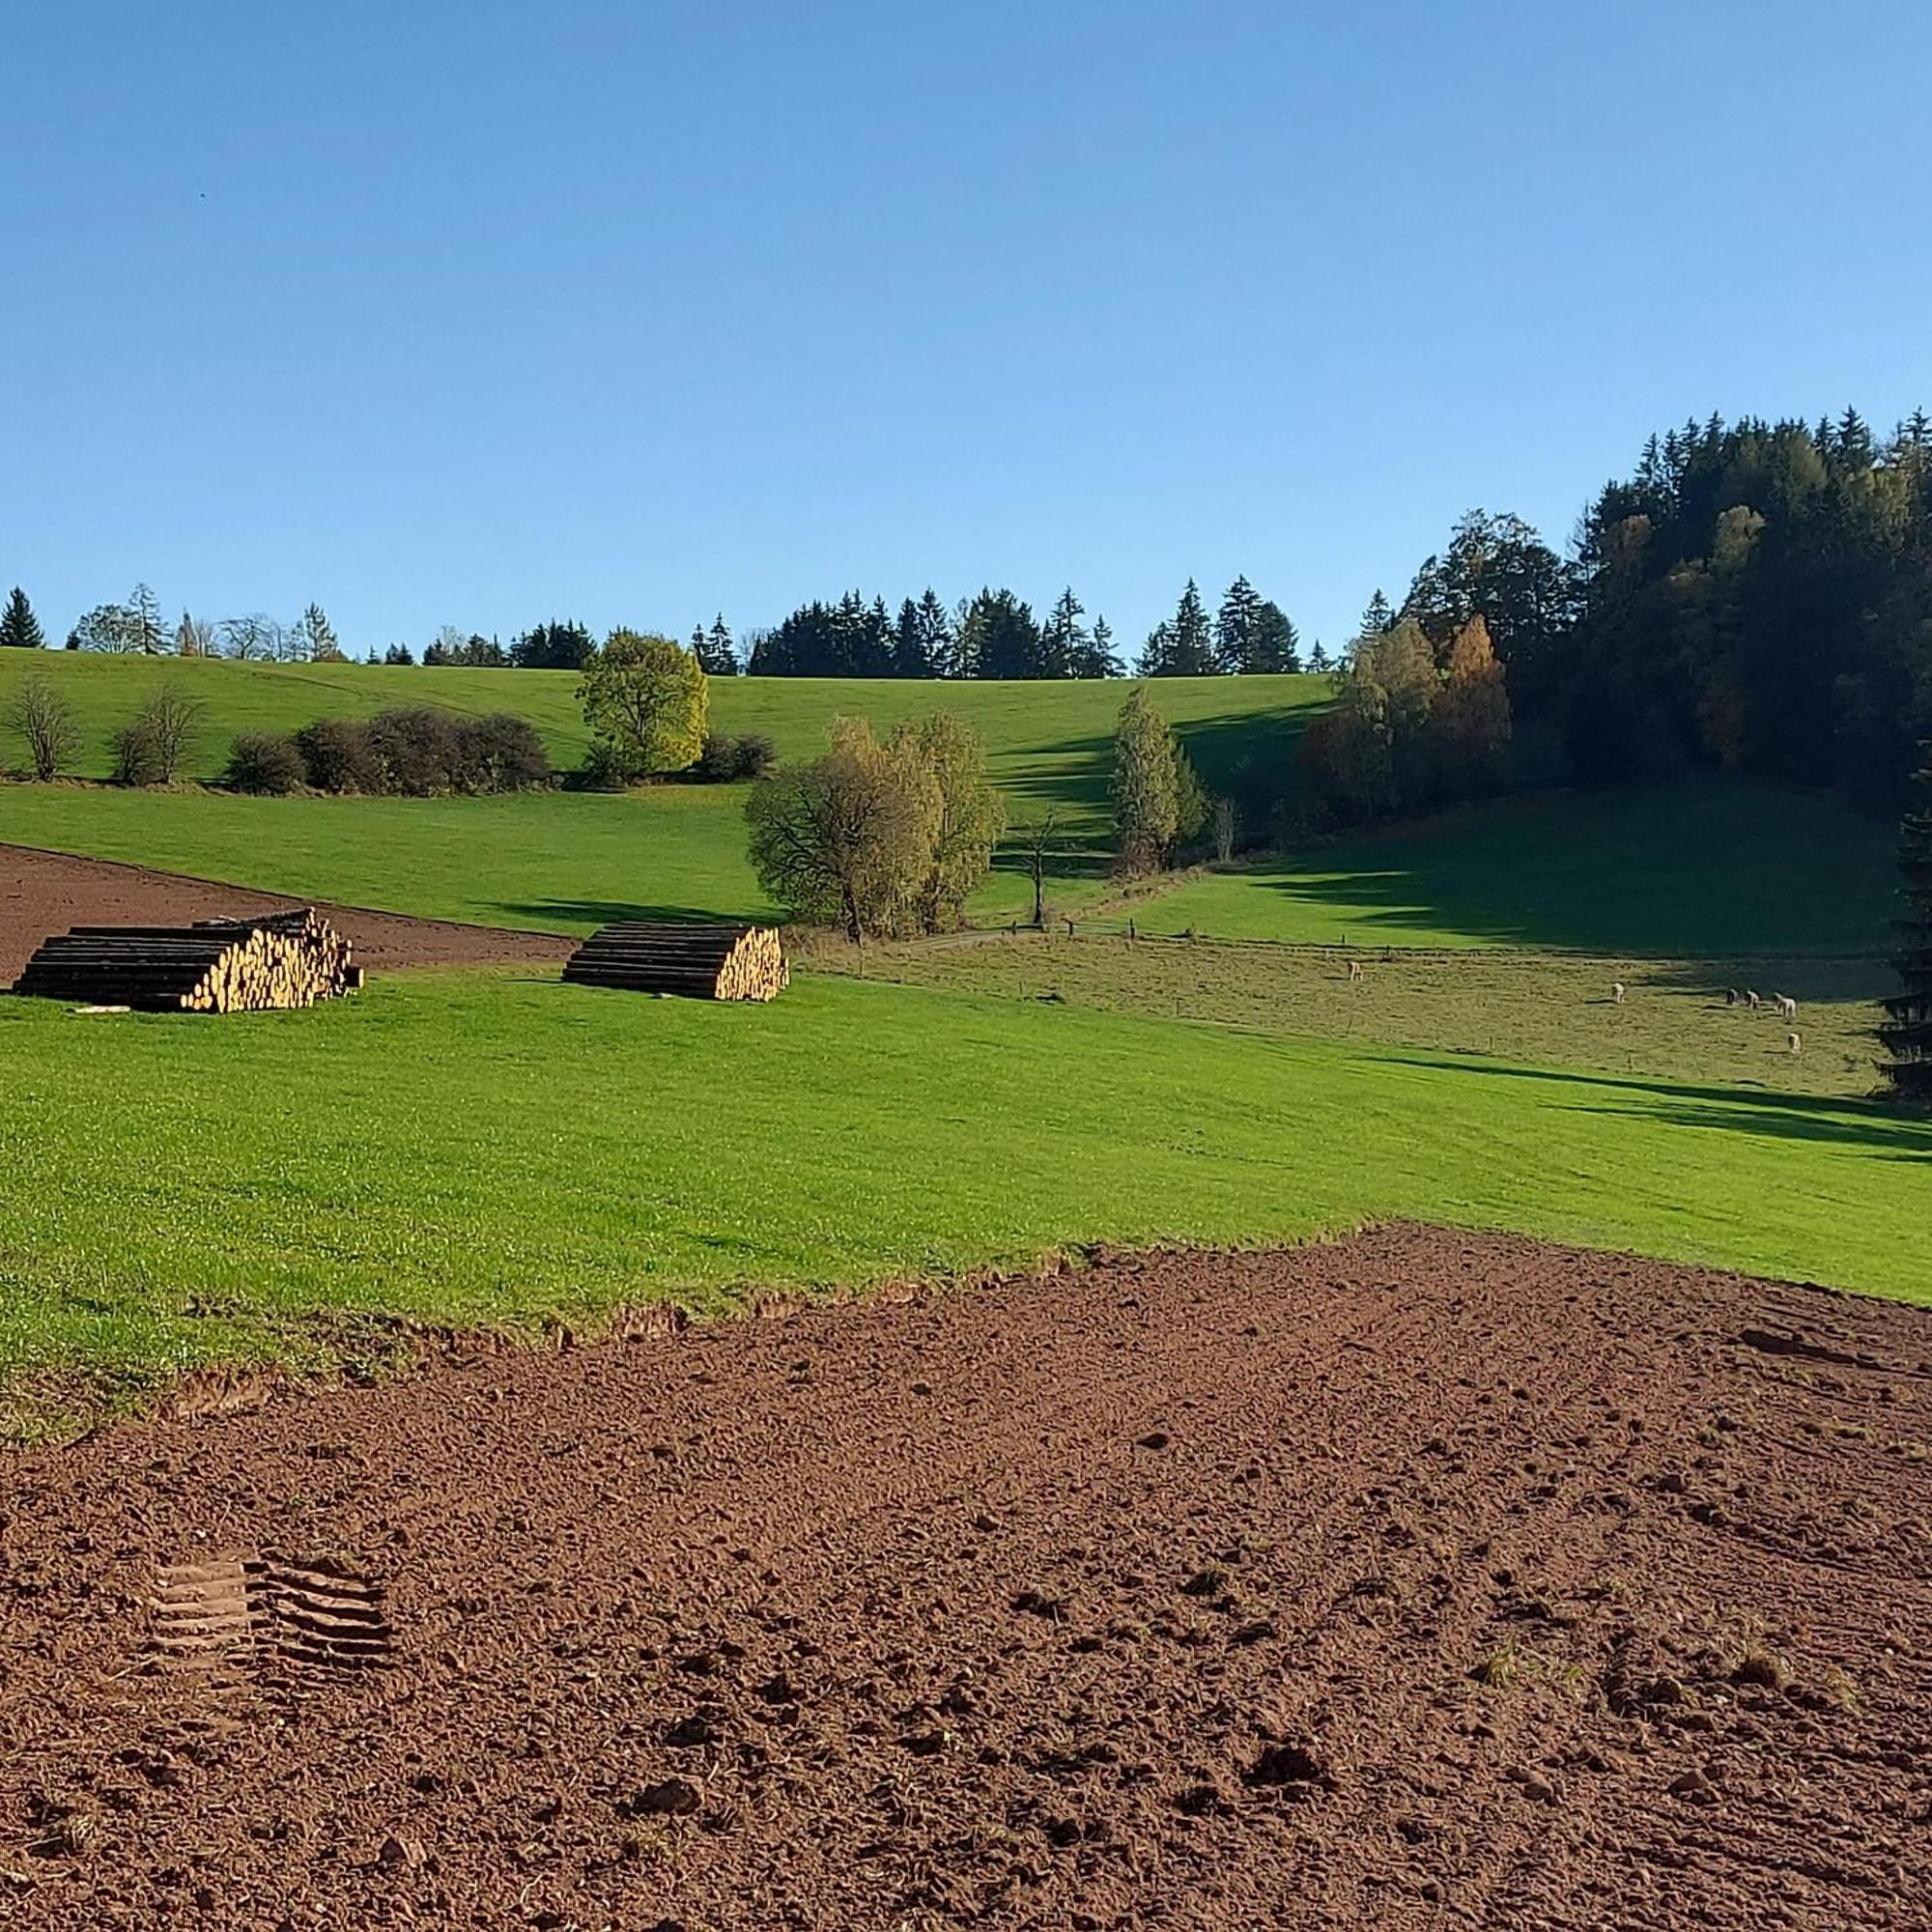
<point>1421,1579</point>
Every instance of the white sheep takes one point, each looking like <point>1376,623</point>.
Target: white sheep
<point>1790,1043</point>
<point>1616,993</point>
<point>1355,970</point>
<point>1787,1006</point>
<point>1752,1001</point>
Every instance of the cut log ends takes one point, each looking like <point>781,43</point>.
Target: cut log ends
<point>215,966</point>
<point>704,962</point>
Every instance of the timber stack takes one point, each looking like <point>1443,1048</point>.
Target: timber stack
<point>214,966</point>
<point>703,962</point>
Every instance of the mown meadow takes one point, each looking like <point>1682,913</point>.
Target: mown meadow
<point>491,1147</point>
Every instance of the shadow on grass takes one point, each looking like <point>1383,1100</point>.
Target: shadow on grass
<point>1791,1117</point>
<point>608,912</point>
<point>1716,868</point>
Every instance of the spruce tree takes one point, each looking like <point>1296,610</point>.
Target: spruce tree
<point>1378,617</point>
<point>1906,1033</point>
<point>1193,649</point>
<point>19,628</point>
<point>1277,646</point>
<point>909,649</point>
<point>1236,625</point>
<point>1063,639</point>
<point>1101,659</point>
<point>721,658</point>
<point>149,634</point>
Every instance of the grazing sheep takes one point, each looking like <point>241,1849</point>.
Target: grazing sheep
<point>1787,1006</point>
<point>1791,1043</point>
<point>1354,969</point>
<point>1752,1001</point>
<point>1616,993</point>
<point>1730,996</point>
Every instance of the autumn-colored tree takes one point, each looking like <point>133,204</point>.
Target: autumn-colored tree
<point>1471,726</point>
<point>848,838</point>
<point>972,814</point>
<point>644,699</point>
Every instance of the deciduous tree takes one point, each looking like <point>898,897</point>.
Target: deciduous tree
<point>971,814</point>
<point>47,725</point>
<point>644,699</point>
<point>848,839</point>
<point>1147,804</point>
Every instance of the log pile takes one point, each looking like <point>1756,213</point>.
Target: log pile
<point>214,966</point>
<point>704,962</point>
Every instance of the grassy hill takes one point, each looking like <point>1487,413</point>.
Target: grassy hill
<point>1714,867</point>
<point>1049,743</point>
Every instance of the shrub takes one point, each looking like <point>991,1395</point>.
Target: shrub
<point>338,757</point>
<point>152,745</point>
<point>418,751</point>
<point>723,759</point>
<point>501,752</point>
<point>266,762</point>
<point>752,755</point>
<point>45,721</point>
<point>137,757</point>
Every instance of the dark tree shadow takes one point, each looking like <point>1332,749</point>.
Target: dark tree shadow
<point>1867,1124</point>
<point>606,912</point>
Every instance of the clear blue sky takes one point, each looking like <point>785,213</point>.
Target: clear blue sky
<point>476,314</point>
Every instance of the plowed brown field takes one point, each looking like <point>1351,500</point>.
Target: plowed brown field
<point>1422,1579</point>
<point>44,892</point>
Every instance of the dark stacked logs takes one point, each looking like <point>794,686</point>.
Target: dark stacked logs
<point>704,962</point>
<point>214,966</point>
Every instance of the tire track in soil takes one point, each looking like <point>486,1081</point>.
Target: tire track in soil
<point>1145,1595</point>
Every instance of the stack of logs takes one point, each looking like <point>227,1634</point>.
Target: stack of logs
<point>214,966</point>
<point>705,962</point>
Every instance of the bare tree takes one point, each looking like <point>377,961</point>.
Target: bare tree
<point>252,639</point>
<point>153,745</point>
<point>1227,828</point>
<point>45,721</point>
<point>1036,840</point>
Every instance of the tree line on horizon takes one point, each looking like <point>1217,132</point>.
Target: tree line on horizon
<point>1755,596</point>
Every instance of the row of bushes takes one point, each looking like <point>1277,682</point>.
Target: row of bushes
<point>409,754</point>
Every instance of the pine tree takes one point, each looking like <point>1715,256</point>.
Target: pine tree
<point>1064,639</point>
<point>1193,649</point>
<point>149,634</point>
<point>721,658</point>
<point>1378,617</point>
<point>1236,625</point>
<point>19,628</point>
<point>1157,657</point>
<point>909,648</point>
<point>1318,661</point>
<point>1906,1033</point>
<point>1101,660</point>
<point>316,637</point>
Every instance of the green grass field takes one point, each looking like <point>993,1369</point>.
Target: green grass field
<point>1048,743</point>
<point>1542,1008</point>
<point>493,1147</point>
<point>564,861</point>
<point>1712,867</point>
<point>488,1148</point>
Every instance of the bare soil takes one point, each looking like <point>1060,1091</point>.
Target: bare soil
<point>1422,1579</point>
<point>44,892</point>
